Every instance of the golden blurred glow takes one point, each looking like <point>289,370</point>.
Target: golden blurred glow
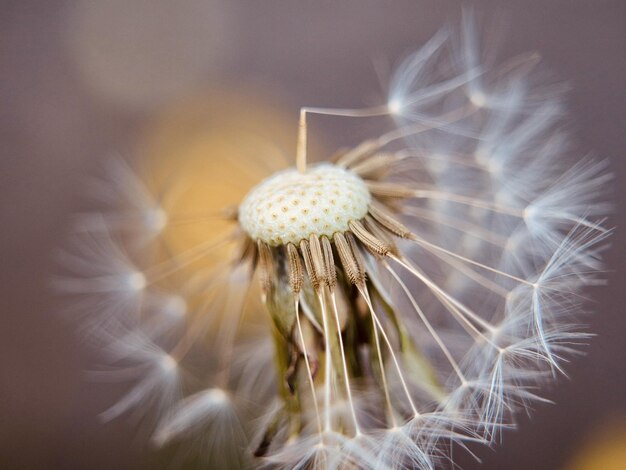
<point>204,156</point>
<point>605,450</point>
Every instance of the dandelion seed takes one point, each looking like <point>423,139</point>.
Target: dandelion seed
<point>419,288</point>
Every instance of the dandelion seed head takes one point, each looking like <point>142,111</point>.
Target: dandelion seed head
<point>291,206</point>
<point>416,292</point>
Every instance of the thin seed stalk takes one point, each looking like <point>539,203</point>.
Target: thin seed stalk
<point>418,364</point>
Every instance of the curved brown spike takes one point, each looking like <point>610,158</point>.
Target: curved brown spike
<point>265,266</point>
<point>317,257</point>
<point>296,275</point>
<point>371,242</point>
<point>379,232</point>
<point>356,252</point>
<point>350,263</point>
<point>329,261</point>
<point>391,190</point>
<point>305,249</point>
<point>382,215</point>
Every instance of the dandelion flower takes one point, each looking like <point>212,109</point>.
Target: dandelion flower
<point>417,289</point>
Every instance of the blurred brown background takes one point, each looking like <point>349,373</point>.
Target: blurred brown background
<point>82,79</point>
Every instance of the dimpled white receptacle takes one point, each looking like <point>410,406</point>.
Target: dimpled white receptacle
<point>290,206</point>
